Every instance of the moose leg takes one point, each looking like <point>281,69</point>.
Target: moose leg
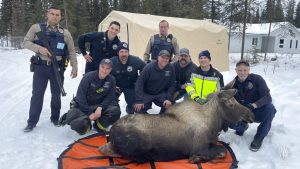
<point>208,153</point>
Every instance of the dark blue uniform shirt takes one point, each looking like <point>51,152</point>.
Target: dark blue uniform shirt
<point>127,74</point>
<point>100,46</point>
<point>95,91</point>
<point>253,90</point>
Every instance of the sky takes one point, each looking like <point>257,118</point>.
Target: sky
<point>40,148</point>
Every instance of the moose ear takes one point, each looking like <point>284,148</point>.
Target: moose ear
<point>227,94</point>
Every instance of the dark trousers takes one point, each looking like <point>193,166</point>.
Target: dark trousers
<point>91,66</point>
<point>263,115</point>
<point>129,95</point>
<point>158,100</point>
<point>41,75</point>
<point>76,118</point>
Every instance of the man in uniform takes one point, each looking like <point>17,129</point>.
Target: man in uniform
<point>204,80</point>
<point>126,69</point>
<point>155,84</point>
<point>161,41</point>
<point>61,43</point>
<point>94,101</point>
<point>102,45</point>
<point>253,93</point>
<point>183,70</point>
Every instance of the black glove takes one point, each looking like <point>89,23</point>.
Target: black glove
<point>250,106</point>
<point>62,120</point>
<point>199,100</point>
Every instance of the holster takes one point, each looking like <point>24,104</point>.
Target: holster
<point>33,61</point>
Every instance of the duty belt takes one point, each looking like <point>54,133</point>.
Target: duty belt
<point>48,62</point>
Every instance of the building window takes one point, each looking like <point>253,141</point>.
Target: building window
<point>254,41</point>
<point>296,44</point>
<point>281,42</point>
<point>291,43</point>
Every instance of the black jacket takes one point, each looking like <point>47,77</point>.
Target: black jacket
<point>183,74</point>
<point>94,91</point>
<point>127,74</point>
<point>154,81</point>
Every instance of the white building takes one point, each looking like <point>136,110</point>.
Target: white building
<point>284,38</point>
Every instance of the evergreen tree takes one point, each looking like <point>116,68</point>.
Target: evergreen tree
<point>267,13</point>
<point>257,17</point>
<point>6,17</point>
<point>290,11</point>
<point>297,18</point>
<point>278,12</point>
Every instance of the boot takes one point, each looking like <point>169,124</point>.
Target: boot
<point>256,144</point>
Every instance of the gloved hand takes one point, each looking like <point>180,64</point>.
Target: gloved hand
<point>62,120</point>
<point>250,106</point>
<point>200,101</point>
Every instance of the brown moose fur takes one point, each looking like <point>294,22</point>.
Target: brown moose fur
<point>185,130</point>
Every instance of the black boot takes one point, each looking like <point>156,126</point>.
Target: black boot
<point>29,128</point>
<point>256,144</point>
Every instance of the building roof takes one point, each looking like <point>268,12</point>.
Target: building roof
<point>264,27</point>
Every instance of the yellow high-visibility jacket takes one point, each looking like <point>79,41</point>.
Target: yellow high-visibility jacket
<point>201,85</point>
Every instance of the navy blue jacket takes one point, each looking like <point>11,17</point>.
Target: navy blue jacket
<point>253,90</point>
<point>95,91</point>
<point>183,74</point>
<point>154,81</point>
<point>127,74</point>
<point>100,46</point>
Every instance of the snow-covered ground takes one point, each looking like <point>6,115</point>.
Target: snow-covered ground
<point>40,148</point>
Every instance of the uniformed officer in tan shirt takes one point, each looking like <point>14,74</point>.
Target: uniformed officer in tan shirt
<point>62,45</point>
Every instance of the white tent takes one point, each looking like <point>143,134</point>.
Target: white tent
<point>196,35</point>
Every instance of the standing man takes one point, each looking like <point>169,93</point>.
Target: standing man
<point>161,41</point>
<point>253,93</point>
<point>102,45</point>
<point>155,84</point>
<point>204,80</point>
<point>126,69</point>
<point>61,43</point>
<point>183,70</point>
<point>94,101</point>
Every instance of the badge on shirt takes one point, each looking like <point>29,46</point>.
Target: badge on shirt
<point>129,69</point>
<point>167,73</point>
<point>115,46</point>
<point>99,90</point>
<point>60,45</point>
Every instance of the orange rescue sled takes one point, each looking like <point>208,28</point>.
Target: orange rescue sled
<point>84,154</point>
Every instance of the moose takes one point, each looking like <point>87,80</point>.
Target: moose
<point>185,130</point>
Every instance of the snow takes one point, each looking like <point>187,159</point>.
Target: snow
<point>263,28</point>
<point>40,148</point>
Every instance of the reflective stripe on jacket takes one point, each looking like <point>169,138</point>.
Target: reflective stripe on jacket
<point>202,85</point>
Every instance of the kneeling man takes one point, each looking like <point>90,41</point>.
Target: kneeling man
<point>94,101</point>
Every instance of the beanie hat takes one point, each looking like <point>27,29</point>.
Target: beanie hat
<point>122,45</point>
<point>205,53</point>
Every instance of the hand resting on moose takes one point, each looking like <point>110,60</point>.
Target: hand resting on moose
<point>186,130</point>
